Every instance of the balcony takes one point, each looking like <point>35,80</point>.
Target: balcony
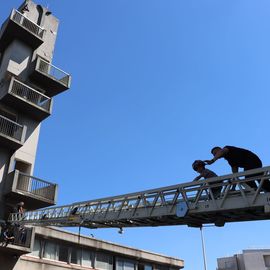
<point>27,100</point>
<point>23,242</point>
<point>34,192</point>
<point>50,77</point>
<point>12,134</point>
<point>18,26</point>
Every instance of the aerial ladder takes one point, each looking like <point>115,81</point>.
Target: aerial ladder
<point>191,204</point>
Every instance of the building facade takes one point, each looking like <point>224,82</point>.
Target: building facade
<point>59,250</point>
<point>250,259</point>
<point>28,83</point>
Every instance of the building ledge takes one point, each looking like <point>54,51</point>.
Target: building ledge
<point>55,233</point>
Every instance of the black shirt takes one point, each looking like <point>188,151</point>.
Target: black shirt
<point>239,157</point>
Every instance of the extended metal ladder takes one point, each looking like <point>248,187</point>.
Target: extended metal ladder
<point>191,204</point>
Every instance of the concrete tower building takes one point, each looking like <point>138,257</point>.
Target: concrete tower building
<point>28,83</point>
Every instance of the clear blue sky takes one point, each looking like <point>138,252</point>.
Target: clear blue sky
<point>156,84</point>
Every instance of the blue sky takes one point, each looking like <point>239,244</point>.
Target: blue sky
<point>156,84</point>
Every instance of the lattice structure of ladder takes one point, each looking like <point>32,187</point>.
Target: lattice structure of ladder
<point>192,204</point>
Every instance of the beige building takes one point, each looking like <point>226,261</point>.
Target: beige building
<point>250,259</point>
<point>28,83</point>
<point>58,250</point>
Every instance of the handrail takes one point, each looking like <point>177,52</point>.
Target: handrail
<point>30,25</point>
<point>38,179</point>
<point>30,94</point>
<point>53,71</point>
<point>36,186</point>
<point>11,128</point>
<point>11,121</point>
<point>27,18</point>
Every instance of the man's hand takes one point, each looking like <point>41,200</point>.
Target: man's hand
<point>197,178</point>
<point>209,162</point>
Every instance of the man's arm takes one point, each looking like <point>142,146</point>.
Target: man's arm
<point>197,178</point>
<point>234,169</point>
<point>221,153</point>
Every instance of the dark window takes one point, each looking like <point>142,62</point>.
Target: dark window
<point>76,255</point>
<point>148,267</point>
<point>63,253</point>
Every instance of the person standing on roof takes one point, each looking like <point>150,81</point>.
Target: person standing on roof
<point>239,158</point>
<point>199,167</point>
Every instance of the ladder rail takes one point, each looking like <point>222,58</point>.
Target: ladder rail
<point>150,200</point>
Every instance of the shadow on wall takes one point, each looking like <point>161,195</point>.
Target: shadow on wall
<point>8,261</point>
<point>4,163</point>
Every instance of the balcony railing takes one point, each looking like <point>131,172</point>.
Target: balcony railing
<point>53,72</point>
<point>12,129</point>
<point>26,23</point>
<point>22,236</point>
<point>35,186</point>
<point>30,95</point>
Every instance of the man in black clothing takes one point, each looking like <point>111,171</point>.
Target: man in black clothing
<point>239,158</point>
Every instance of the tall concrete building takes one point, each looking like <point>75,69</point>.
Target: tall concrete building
<point>28,83</point>
<point>250,259</point>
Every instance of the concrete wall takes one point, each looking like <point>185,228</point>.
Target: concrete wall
<point>27,152</point>
<point>258,259</point>
<point>46,20</point>
<point>16,60</point>
<point>255,259</point>
<point>4,161</point>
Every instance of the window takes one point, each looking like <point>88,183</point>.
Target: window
<point>148,267</point>
<point>22,166</point>
<point>81,257</point>
<point>76,256</point>
<point>104,261</point>
<point>266,260</point>
<point>161,267</point>
<point>36,248</point>
<point>125,265</point>
<point>63,253</point>
<point>51,251</point>
<point>86,258</point>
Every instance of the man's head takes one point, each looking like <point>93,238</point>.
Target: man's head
<point>198,166</point>
<point>21,204</point>
<point>215,150</point>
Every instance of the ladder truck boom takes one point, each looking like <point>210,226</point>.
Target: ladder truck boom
<point>191,204</point>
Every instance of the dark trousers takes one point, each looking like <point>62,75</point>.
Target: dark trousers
<point>216,191</point>
<point>252,184</point>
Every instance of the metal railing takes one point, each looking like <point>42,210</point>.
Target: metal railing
<point>31,95</point>
<point>26,23</point>
<point>22,236</point>
<point>11,129</point>
<point>179,204</point>
<point>52,71</point>
<point>35,186</point>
